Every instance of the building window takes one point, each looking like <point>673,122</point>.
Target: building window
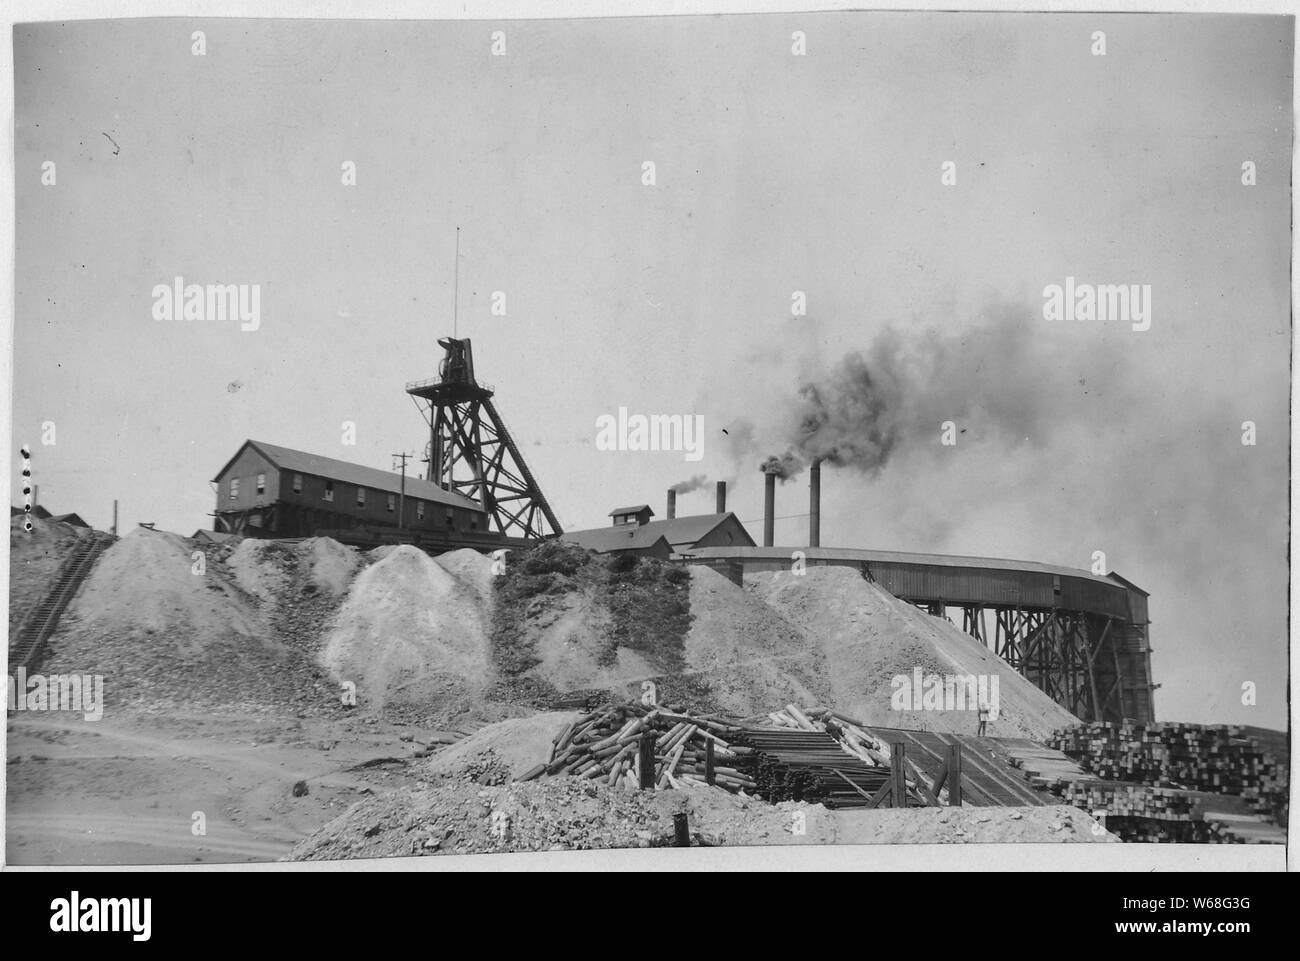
<point>451,519</point>
<point>392,503</point>
<point>234,488</point>
<point>419,510</point>
<point>261,483</point>
<point>361,497</point>
<point>473,522</point>
<point>297,483</point>
<point>329,490</point>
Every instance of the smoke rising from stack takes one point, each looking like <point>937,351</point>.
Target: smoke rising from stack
<point>1070,439</point>
<point>686,486</point>
<point>1002,381</point>
<point>784,466</point>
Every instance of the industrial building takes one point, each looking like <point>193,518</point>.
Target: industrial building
<point>634,532</point>
<point>478,492</point>
<point>266,490</point>
<point>1081,637</point>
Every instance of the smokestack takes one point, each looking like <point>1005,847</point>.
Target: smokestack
<point>672,503</point>
<point>722,497</point>
<point>815,505</point>
<point>769,507</point>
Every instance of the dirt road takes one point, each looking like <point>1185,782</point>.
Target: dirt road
<point>151,790</point>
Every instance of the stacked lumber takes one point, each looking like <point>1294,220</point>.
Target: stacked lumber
<point>824,757</point>
<point>605,746</point>
<point>1044,767</point>
<point>1132,801</point>
<point>1138,813</point>
<point>1219,758</point>
<point>810,766</point>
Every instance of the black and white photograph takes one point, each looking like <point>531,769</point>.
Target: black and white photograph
<point>858,432</point>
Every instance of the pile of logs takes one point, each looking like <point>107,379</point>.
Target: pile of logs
<point>1217,758</point>
<point>823,758</point>
<point>789,755</point>
<point>629,744</point>
<point>794,765</point>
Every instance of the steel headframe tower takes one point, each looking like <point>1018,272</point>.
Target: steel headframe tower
<point>471,452</point>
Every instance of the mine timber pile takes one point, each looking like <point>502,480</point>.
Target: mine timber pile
<point>1173,782</point>
<point>1141,813</point>
<point>606,745</point>
<point>805,762</point>
<point>787,756</point>
<point>1219,759</point>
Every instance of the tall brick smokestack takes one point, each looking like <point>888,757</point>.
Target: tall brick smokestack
<point>815,505</point>
<point>769,507</point>
<point>672,503</point>
<point>722,497</point>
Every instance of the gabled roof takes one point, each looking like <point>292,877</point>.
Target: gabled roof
<point>218,537</point>
<point>636,509</point>
<point>604,539</point>
<point>689,530</point>
<point>288,459</point>
<point>73,519</point>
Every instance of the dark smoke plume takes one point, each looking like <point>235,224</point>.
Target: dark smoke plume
<point>785,466</point>
<point>1004,380</point>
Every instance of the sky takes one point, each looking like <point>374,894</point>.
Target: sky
<point>774,173</point>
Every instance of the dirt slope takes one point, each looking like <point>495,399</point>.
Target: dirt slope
<point>161,633</point>
<point>868,636</point>
<point>752,658</point>
<point>410,632</point>
<point>504,750</point>
<point>35,559</point>
<point>420,633</point>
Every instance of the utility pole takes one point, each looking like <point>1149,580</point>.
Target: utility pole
<point>401,499</point>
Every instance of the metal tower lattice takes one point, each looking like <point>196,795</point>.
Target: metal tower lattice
<point>471,452</point>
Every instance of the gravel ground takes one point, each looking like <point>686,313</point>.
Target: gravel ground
<point>562,814</point>
<point>570,814</point>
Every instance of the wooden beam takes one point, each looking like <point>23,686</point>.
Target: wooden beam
<point>898,773</point>
<point>647,758</point>
<point>882,794</point>
<point>954,769</point>
<point>846,780</point>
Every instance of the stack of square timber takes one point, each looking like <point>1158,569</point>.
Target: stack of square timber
<point>1140,813</point>
<point>1216,758</point>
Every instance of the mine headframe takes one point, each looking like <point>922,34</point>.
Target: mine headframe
<point>471,452</point>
